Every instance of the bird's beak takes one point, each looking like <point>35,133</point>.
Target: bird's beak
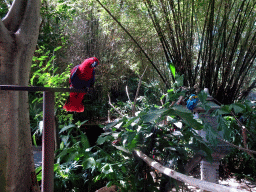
<point>94,64</point>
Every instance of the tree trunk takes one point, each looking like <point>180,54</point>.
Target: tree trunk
<point>18,37</point>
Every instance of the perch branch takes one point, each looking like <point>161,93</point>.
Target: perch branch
<point>114,106</point>
<point>204,185</point>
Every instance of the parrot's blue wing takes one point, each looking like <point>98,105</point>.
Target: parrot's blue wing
<point>78,83</point>
<point>192,102</point>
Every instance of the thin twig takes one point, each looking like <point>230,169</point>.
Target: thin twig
<point>235,146</point>
<point>114,106</point>
<point>137,93</point>
<point>127,93</point>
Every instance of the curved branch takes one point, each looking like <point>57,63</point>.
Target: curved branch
<point>4,34</point>
<point>205,185</point>
<point>119,112</point>
<point>29,27</point>
<point>15,15</point>
<point>237,147</point>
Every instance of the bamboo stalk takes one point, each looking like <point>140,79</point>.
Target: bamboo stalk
<point>138,45</point>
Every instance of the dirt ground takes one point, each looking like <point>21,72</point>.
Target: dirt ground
<point>244,185</point>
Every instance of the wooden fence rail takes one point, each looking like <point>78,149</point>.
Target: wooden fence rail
<point>48,129</point>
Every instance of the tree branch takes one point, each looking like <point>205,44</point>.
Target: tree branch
<point>29,27</point>
<point>15,15</point>
<point>205,185</point>
<point>114,106</point>
<point>4,34</point>
<point>137,93</point>
<point>235,146</point>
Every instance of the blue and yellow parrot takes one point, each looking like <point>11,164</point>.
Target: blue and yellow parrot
<point>192,102</point>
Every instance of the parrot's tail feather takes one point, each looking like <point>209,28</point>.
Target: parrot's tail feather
<point>74,102</point>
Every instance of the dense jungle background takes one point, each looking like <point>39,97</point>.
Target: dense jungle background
<point>150,53</point>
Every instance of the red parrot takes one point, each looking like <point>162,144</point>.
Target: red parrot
<point>82,76</point>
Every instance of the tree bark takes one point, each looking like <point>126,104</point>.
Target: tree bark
<point>18,37</point>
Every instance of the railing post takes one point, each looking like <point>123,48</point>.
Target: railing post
<point>48,129</point>
<point>48,143</point>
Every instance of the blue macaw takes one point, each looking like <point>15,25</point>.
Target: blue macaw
<point>192,102</point>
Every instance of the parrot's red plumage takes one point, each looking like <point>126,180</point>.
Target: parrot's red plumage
<point>82,76</point>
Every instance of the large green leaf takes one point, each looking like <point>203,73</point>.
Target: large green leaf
<point>172,68</point>
<point>39,173</point>
<point>66,128</point>
<point>84,140</point>
<point>211,134</point>
<point>222,126</point>
<point>101,140</point>
<point>152,115</point>
<point>237,107</point>
<point>89,163</point>
<point>186,116</point>
<point>224,110</point>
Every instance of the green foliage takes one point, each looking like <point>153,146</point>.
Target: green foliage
<point>4,5</point>
<point>45,73</point>
<point>147,133</point>
<point>74,161</point>
<point>79,166</point>
<point>52,30</point>
<point>172,68</point>
<point>239,163</point>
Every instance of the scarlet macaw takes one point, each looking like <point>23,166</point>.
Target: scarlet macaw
<point>82,76</point>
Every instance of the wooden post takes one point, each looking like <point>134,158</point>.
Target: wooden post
<point>48,129</point>
<point>48,143</point>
